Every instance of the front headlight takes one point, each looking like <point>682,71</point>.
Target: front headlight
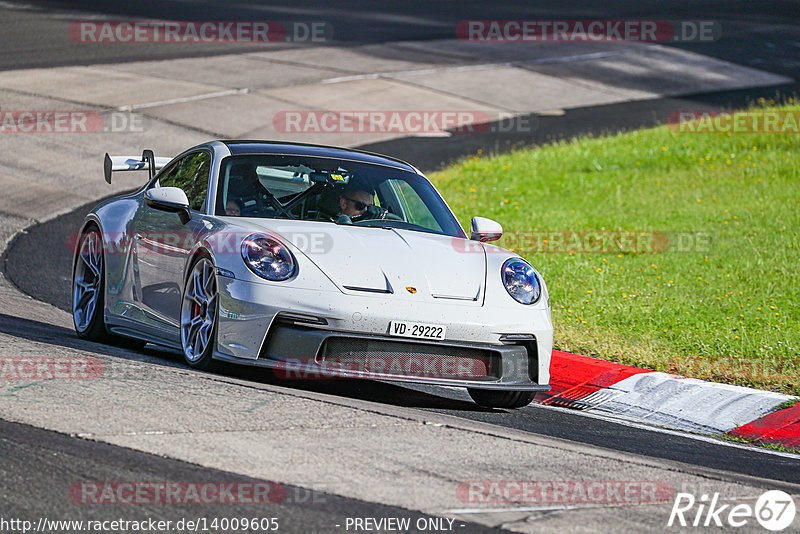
<point>521,281</point>
<point>268,258</point>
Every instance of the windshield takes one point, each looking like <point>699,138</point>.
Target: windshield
<point>331,191</point>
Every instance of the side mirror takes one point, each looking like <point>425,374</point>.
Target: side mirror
<point>170,199</point>
<point>485,230</point>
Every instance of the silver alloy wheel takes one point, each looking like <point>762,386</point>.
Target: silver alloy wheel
<point>86,282</point>
<point>199,310</point>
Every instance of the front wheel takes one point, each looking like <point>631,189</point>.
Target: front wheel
<point>199,312</point>
<point>489,398</point>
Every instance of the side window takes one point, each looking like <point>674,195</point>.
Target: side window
<point>412,205</point>
<point>191,175</point>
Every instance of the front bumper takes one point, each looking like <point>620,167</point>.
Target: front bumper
<point>304,334</point>
<point>297,352</point>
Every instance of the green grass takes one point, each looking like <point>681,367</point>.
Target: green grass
<point>758,443</point>
<point>788,404</point>
<point>721,302</point>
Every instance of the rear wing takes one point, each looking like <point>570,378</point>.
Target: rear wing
<point>133,163</point>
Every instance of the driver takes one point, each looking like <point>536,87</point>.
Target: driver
<point>357,201</point>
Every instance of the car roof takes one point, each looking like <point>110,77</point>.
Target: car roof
<point>240,147</point>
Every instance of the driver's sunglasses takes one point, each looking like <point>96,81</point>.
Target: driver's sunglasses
<point>360,206</point>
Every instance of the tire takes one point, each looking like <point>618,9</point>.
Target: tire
<point>200,314</point>
<point>501,399</point>
<point>88,288</point>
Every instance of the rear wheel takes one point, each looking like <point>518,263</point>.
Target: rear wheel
<point>88,281</point>
<point>199,312</point>
<point>501,399</point>
<point>88,293</point>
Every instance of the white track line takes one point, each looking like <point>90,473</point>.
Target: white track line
<point>19,6</point>
<point>463,68</point>
<point>184,99</point>
<point>459,511</point>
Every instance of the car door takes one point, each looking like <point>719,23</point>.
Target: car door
<point>163,243</point>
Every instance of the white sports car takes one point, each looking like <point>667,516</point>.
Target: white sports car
<point>314,261</point>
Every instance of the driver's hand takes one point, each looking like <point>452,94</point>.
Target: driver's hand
<point>372,212</point>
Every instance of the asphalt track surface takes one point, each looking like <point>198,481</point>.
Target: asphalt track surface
<point>46,491</point>
<point>34,38</point>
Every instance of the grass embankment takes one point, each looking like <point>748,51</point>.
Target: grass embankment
<point>715,295</point>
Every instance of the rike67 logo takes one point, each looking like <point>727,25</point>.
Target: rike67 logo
<point>774,510</point>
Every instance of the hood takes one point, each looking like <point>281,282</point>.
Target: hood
<point>388,260</point>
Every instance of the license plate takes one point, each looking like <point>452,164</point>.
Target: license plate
<point>417,330</point>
